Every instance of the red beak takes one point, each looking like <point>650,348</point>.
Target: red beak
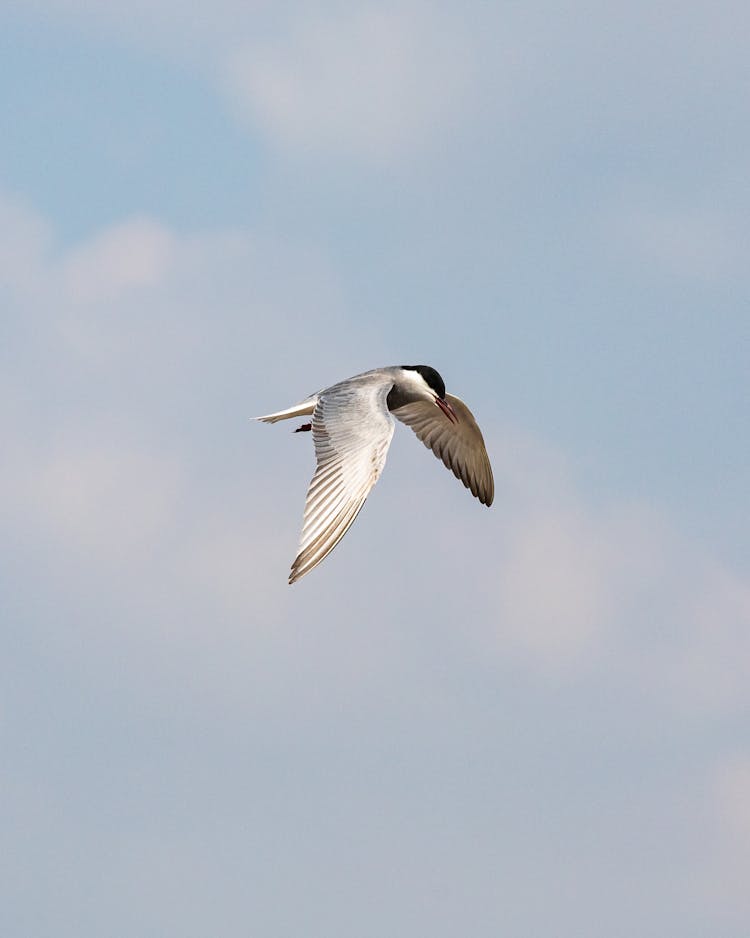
<point>446,409</point>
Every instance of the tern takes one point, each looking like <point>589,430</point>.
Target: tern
<point>352,426</point>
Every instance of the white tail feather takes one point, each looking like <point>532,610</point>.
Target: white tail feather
<point>303,409</point>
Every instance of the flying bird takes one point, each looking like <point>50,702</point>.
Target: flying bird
<point>352,425</point>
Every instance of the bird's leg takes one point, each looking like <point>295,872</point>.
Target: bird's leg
<point>303,428</point>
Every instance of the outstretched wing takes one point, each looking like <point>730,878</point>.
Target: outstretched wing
<point>460,445</point>
<point>352,431</point>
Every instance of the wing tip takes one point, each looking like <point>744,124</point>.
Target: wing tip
<point>488,493</point>
<point>297,571</point>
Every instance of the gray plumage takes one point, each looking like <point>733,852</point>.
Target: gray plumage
<point>352,426</point>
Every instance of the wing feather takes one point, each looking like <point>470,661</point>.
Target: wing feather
<point>460,445</point>
<point>352,430</point>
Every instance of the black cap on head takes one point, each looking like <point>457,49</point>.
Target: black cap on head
<point>432,378</point>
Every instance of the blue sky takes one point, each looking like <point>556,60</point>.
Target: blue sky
<point>531,720</point>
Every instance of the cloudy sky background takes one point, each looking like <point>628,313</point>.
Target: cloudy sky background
<point>529,721</point>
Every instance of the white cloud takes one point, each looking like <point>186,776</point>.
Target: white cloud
<point>552,579</point>
<point>111,400</point>
<point>569,589</point>
<point>107,498</point>
<point>138,296</point>
<point>375,82</point>
<point>728,792</point>
<point>127,256</point>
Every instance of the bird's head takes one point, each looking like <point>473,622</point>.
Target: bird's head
<point>427,384</point>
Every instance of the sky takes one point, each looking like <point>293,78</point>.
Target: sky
<point>532,720</point>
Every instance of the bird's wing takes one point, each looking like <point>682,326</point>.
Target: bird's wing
<point>352,431</point>
<point>460,445</point>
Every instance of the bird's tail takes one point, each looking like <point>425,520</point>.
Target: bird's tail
<point>303,409</point>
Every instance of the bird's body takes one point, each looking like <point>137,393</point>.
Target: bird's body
<point>352,426</point>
